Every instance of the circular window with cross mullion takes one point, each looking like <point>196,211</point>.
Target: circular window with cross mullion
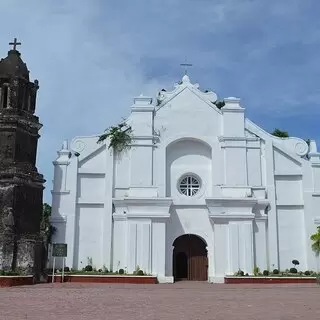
<point>189,185</point>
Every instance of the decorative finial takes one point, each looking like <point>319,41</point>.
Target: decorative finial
<point>15,44</point>
<point>65,145</point>
<point>185,78</point>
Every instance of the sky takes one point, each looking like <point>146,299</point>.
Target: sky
<point>92,57</point>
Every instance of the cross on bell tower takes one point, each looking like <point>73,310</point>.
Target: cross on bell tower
<point>15,44</point>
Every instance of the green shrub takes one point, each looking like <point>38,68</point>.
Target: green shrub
<point>295,262</point>
<point>66,269</point>
<point>140,273</point>
<point>275,271</point>
<point>88,268</point>
<point>240,273</point>
<point>265,272</point>
<point>293,270</point>
<point>307,273</point>
<point>256,270</point>
<point>247,274</point>
<point>11,273</point>
<point>121,271</point>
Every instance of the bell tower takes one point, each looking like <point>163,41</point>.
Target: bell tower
<point>21,186</point>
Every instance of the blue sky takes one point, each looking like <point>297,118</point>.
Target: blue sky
<point>92,57</point>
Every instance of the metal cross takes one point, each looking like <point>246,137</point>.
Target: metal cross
<point>186,65</point>
<point>14,44</point>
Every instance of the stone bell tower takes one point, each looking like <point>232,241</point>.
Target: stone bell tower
<point>21,186</point>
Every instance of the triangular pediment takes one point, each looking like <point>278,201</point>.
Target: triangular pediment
<point>185,87</point>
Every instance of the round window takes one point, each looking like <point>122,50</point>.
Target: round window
<point>189,185</point>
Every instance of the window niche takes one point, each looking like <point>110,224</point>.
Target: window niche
<point>4,96</point>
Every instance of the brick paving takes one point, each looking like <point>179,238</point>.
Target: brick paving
<point>185,300</point>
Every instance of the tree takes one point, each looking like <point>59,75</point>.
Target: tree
<point>281,134</point>
<point>46,230</point>
<point>315,238</point>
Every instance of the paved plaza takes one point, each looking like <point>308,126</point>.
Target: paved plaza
<point>185,300</point>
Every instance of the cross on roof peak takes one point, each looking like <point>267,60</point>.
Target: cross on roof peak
<point>186,65</point>
<point>14,44</point>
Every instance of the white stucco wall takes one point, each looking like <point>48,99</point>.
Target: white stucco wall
<point>257,204</point>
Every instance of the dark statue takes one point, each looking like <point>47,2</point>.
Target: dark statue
<point>21,185</point>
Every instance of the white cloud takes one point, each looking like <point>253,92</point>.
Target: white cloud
<point>92,57</point>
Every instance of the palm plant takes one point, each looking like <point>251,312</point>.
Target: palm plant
<point>120,137</point>
<point>315,238</point>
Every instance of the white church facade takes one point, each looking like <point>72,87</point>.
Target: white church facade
<point>200,193</point>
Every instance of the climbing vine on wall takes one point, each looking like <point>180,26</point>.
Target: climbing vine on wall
<point>120,137</point>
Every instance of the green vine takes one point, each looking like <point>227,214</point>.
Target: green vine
<point>120,137</point>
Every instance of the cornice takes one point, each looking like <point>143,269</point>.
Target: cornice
<point>128,201</point>
<point>232,216</point>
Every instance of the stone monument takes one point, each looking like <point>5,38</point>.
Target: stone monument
<point>21,186</point>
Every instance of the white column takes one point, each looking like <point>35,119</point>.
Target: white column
<point>169,263</point>
<point>141,153</point>
<point>241,246</point>
<point>64,197</point>
<point>247,247</point>
<point>261,244</point>
<point>132,246</point>
<point>273,245</point>
<point>234,247</point>
<point>72,230</point>
<point>144,246</point>
<point>211,267</point>
<point>159,249</point>
<point>120,257</point>
<point>107,215</point>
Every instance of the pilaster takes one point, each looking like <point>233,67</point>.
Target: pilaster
<point>273,244</point>
<point>106,245</point>
<point>141,153</point>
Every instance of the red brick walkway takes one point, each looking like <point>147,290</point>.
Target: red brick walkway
<point>188,300</point>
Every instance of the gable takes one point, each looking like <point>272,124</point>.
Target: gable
<point>188,112</point>
<point>208,98</point>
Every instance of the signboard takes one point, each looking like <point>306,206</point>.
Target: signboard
<point>59,250</point>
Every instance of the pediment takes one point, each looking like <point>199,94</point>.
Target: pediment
<point>208,97</point>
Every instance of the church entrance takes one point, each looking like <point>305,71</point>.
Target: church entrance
<point>190,261</point>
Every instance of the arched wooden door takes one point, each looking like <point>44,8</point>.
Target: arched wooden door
<point>190,261</point>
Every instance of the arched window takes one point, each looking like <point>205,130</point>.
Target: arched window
<point>4,96</point>
<point>189,185</point>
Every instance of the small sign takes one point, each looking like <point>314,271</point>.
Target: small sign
<point>59,250</point>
